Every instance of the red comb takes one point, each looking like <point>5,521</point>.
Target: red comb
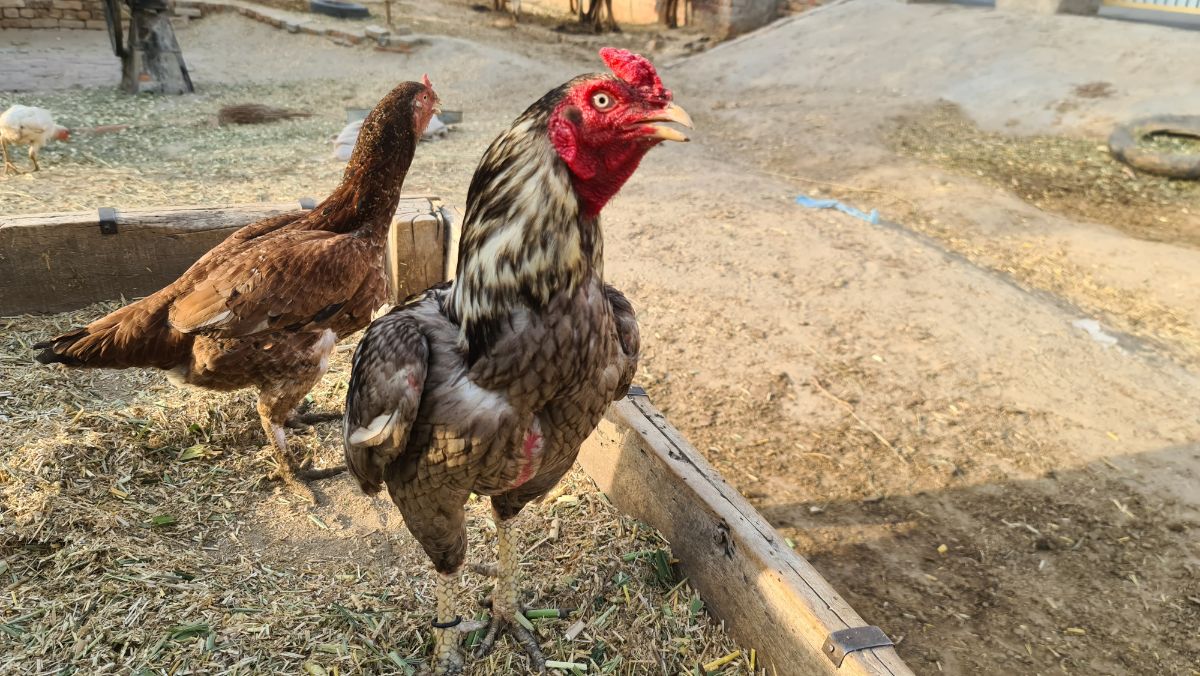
<point>634,69</point>
<point>425,81</point>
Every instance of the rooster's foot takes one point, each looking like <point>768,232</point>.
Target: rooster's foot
<point>501,623</point>
<point>449,662</point>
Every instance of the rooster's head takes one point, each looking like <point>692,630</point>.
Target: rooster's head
<point>602,125</point>
<point>532,227</point>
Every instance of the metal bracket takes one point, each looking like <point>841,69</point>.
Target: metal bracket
<point>636,391</point>
<point>108,220</point>
<point>845,641</point>
<point>308,203</point>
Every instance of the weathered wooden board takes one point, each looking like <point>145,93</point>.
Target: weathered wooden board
<point>770,598</point>
<point>418,247</point>
<point>59,262</point>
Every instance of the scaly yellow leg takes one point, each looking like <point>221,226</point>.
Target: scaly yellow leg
<point>504,599</point>
<point>447,658</point>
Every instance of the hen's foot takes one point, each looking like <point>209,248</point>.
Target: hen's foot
<point>510,624</point>
<point>312,474</point>
<point>304,418</point>
<point>298,474</point>
<point>10,169</point>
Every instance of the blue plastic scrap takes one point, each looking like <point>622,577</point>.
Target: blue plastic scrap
<point>806,201</point>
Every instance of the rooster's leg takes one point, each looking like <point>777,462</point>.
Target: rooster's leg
<point>9,167</point>
<point>437,520</point>
<point>504,599</point>
<point>447,657</point>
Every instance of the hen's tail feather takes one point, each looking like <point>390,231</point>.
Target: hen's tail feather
<point>136,335</point>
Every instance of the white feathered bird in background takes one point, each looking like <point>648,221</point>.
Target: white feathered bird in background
<point>31,126</point>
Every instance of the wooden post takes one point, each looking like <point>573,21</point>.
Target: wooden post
<point>419,247</point>
<point>153,62</point>
<point>770,598</point>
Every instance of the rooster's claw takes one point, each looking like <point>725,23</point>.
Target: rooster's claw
<point>499,623</point>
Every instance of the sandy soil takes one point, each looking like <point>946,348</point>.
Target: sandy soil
<point>877,391</point>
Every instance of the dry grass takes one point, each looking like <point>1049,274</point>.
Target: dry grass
<point>139,535</point>
<point>1071,176</point>
<point>174,152</point>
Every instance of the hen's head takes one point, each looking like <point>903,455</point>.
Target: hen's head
<point>61,133</point>
<point>388,137</point>
<point>602,125</point>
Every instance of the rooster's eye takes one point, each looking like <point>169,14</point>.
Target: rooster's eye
<point>602,101</point>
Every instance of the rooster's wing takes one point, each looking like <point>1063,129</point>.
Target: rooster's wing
<point>291,280</point>
<point>384,394</point>
<point>628,337</point>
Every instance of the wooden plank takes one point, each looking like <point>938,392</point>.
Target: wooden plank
<point>770,598</point>
<point>59,262</point>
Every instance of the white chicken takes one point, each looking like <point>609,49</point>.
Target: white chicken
<point>31,126</point>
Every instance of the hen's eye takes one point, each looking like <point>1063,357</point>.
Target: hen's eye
<point>602,101</point>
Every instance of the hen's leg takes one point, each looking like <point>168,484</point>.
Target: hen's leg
<point>9,167</point>
<point>33,157</point>
<point>504,598</point>
<point>293,473</point>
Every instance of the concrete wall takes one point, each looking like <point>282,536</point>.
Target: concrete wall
<point>52,14</point>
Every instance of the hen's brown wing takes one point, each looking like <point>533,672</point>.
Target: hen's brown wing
<point>386,384</point>
<point>292,280</point>
<point>139,334</point>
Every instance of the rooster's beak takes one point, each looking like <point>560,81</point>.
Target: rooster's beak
<point>672,113</point>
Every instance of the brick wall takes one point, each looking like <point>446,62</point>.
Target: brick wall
<point>52,14</point>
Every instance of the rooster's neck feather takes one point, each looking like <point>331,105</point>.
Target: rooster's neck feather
<point>524,237</point>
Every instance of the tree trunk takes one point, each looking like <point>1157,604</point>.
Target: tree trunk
<point>153,63</point>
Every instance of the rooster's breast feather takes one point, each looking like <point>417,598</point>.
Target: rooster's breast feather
<point>384,395</point>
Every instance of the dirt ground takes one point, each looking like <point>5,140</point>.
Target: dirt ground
<point>915,404</point>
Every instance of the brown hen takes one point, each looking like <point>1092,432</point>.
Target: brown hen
<point>490,384</point>
<point>265,308</point>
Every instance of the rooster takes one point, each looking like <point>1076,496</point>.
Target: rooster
<point>489,384</point>
<point>265,308</point>
<point>27,125</point>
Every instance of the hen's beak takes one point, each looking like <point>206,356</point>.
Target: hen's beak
<point>672,113</point>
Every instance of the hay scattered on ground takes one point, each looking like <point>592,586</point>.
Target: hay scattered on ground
<point>1071,176</point>
<point>139,535</point>
<point>174,152</point>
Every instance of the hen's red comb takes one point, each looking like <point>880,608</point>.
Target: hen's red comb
<point>425,81</point>
<point>634,69</point>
